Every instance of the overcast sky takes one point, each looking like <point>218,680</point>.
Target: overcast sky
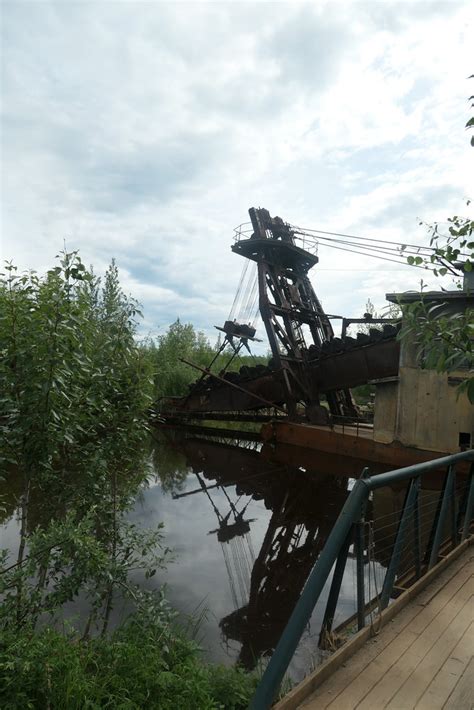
<point>145,131</point>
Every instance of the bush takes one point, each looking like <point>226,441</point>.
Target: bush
<point>139,666</point>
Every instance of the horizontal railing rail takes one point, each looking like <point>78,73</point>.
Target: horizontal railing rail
<point>453,510</point>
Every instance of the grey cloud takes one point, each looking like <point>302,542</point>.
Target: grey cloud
<point>395,16</point>
<point>121,180</point>
<point>310,47</point>
<point>405,210</point>
<point>146,130</point>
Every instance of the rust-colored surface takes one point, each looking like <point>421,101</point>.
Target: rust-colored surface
<point>333,372</point>
<point>331,463</point>
<point>346,444</point>
<point>358,366</point>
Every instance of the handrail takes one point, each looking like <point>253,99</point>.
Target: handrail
<point>336,548</point>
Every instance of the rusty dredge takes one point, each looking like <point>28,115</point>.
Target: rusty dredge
<point>308,363</point>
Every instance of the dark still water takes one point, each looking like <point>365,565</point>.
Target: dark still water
<point>246,528</point>
<point>246,524</point>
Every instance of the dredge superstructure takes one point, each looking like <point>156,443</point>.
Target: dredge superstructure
<point>308,362</point>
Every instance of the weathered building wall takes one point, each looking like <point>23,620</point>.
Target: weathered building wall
<point>423,410</point>
<point>385,411</point>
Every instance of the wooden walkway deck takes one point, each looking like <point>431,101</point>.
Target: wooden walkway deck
<point>422,659</point>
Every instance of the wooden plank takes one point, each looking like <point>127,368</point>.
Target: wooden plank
<point>401,664</point>
<point>448,582</point>
<point>431,663</point>
<point>463,693</point>
<point>371,674</point>
<point>446,679</point>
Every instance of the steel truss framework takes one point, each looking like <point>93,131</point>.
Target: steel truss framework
<point>293,316</point>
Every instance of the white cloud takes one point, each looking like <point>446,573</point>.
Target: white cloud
<point>144,131</point>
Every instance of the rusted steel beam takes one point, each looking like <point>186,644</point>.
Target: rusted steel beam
<point>232,384</point>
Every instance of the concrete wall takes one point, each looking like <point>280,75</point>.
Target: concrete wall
<point>385,411</point>
<point>423,410</point>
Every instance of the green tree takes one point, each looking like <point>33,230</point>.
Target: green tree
<point>75,388</point>
<point>172,376</point>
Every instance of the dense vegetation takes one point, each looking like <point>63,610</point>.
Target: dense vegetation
<point>171,376</point>
<point>445,340</point>
<point>76,385</point>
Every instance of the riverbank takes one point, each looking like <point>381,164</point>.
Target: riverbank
<point>147,663</point>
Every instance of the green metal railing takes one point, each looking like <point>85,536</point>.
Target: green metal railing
<point>453,512</point>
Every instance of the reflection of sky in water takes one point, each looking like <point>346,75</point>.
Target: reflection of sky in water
<point>9,537</point>
<point>198,578</point>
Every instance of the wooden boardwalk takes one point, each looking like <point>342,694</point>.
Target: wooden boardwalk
<point>422,659</point>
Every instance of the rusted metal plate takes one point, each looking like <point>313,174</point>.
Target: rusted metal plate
<point>394,455</point>
<point>358,366</point>
<point>222,398</point>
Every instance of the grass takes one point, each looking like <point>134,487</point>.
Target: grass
<point>139,666</point>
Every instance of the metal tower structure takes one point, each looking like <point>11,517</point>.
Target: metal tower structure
<point>291,312</point>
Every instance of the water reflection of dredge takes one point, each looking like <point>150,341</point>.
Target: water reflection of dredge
<point>304,508</point>
<point>304,505</point>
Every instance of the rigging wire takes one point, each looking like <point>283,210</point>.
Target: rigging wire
<point>366,246</point>
<point>372,247</point>
<point>256,315</point>
<point>247,294</point>
<point>394,253</point>
<point>239,290</point>
<point>362,253</point>
<point>251,297</point>
<point>399,245</point>
<point>251,309</point>
<point>233,590</point>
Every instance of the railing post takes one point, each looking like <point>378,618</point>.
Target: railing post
<point>454,525</point>
<point>359,550</point>
<point>397,547</point>
<point>336,583</point>
<point>417,531</point>
<point>441,518</point>
<point>469,504</point>
<point>274,672</point>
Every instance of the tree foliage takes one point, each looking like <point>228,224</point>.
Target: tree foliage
<point>445,342</point>
<point>71,375</point>
<point>76,387</point>
<point>181,341</point>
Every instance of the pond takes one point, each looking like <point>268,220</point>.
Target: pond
<point>246,523</point>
